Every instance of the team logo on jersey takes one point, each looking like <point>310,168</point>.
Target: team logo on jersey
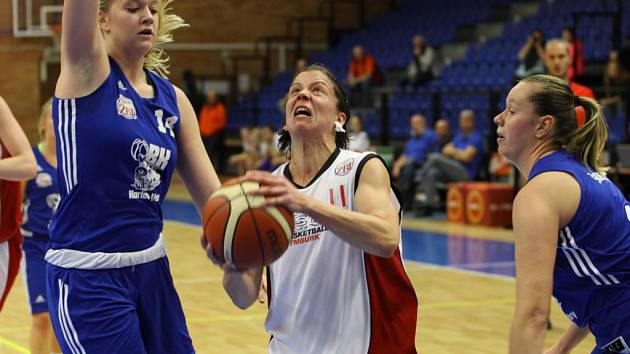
<point>344,168</point>
<point>599,178</point>
<point>306,229</point>
<point>43,180</point>
<point>151,158</point>
<point>125,107</point>
<point>52,200</point>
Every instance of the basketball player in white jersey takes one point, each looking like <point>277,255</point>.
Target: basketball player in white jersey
<point>17,162</point>
<point>341,287</point>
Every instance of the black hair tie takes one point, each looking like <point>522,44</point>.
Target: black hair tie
<point>576,101</point>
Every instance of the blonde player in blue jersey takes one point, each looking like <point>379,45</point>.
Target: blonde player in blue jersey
<point>572,224</point>
<point>41,197</point>
<point>341,286</point>
<point>121,130</point>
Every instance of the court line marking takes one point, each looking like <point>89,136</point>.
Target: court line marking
<point>12,345</point>
<point>457,270</point>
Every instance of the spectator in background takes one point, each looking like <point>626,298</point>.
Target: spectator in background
<point>576,53</point>
<point>531,56</point>
<point>246,160</point>
<point>363,73</point>
<point>422,66</point>
<point>269,156</point>
<point>422,142</point>
<point>558,61</point>
<point>212,122</point>
<point>443,132</point>
<point>459,161</point>
<point>616,78</point>
<point>359,139</point>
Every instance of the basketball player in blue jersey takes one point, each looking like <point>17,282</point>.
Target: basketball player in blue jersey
<point>41,197</point>
<point>122,129</point>
<point>16,163</point>
<point>572,224</point>
<point>341,286</point>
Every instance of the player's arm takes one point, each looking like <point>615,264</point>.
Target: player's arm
<point>571,338</point>
<point>542,207</point>
<point>374,227</point>
<point>243,287</point>
<point>21,165</point>
<point>84,64</point>
<point>193,164</point>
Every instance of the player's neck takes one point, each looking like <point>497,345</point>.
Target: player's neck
<point>133,68</point>
<point>308,159</point>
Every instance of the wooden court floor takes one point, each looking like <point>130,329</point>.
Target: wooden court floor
<point>460,312</point>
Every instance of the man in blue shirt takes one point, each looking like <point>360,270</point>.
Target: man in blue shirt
<point>459,160</point>
<point>420,144</point>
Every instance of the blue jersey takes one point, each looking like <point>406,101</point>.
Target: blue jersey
<point>116,152</point>
<point>592,270</point>
<point>461,141</point>
<point>41,198</point>
<point>418,147</point>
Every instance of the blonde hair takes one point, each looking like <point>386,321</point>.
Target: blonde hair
<point>553,96</point>
<point>157,60</point>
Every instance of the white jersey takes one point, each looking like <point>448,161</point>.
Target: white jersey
<point>327,296</point>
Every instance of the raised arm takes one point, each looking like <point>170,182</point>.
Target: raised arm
<point>21,165</point>
<point>84,64</point>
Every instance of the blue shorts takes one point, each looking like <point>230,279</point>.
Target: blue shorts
<point>126,310</point>
<point>34,271</point>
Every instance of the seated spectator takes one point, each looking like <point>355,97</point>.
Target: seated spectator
<point>459,161</point>
<point>212,122</point>
<point>443,132</point>
<point>422,66</point>
<point>363,73</point>
<point>420,144</point>
<point>359,139</point>
<point>269,156</point>
<point>531,56</point>
<point>248,158</point>
<point>576,53</point>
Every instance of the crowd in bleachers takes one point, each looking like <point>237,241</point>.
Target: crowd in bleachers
<point>561,40</point>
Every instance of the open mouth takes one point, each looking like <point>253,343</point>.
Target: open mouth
<point>302,111</point>
<point>146,32</point>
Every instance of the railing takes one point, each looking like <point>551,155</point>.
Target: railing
<point>33,30</point>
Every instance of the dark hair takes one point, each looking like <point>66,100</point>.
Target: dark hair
<point>553,96</point>
<point>343,106</point>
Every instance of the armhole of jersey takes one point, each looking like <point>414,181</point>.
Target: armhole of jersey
<point>268,273</point>
<point>357,176</point>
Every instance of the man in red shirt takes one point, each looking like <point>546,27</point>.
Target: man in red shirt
<point>17,162</point>
<point>558,61</point>
<point>362,74</point>
<point>212,122</point>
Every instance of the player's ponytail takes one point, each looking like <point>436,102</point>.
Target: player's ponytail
<point>587,143</point>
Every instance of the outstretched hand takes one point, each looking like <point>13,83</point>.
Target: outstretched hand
<point>277,190</point>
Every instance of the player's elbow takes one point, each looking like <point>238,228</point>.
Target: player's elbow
<point>241,300</point>
<point>388,246</point>
<point>535,320</point>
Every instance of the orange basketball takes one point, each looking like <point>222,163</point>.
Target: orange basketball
<point>243,232</point>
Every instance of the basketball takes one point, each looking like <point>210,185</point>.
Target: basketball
<point>243,232</point>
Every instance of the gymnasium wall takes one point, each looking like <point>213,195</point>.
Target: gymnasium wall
<point>225,28</point>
